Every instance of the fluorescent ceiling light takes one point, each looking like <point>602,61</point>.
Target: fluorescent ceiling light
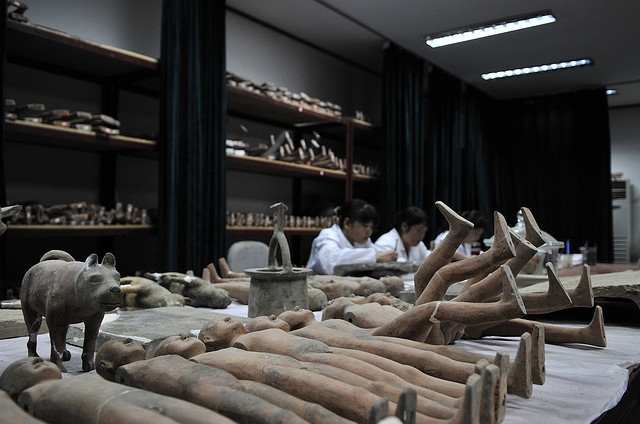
<point>536,69</point>
<point>487,30</point>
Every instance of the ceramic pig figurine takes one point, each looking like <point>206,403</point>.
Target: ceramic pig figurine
<point>66,291</point>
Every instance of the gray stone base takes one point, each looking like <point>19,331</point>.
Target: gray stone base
<point>148,326</point>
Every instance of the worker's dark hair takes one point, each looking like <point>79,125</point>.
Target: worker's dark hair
<point>357,210</point>
<point>412,215</point>
<point>476,218</point>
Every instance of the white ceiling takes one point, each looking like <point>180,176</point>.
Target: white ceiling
<point>607,32</point>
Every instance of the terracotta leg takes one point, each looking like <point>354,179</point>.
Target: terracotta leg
<point>473,280</point>
<point>533,237</point>
<point>434,335</point>
<point>489,288</point>
<point>520,383</point>
<point>592,334</point>
<point>501,250</point>
<point>213,274</point>
<point>459,229</point>
<point>470,409</point>
<point>555,299</point>
<point>532,231</point>
<point>502,362</point>
<point>538,368</point>
<point>412,322</point>
<point>489,399</point>
<point>582,295</point>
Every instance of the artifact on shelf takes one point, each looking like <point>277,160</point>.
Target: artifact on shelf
<point>65,118</point>
<point>255,219</point>
<point>283,148</point>
<point>29,112</point>
<point>17,14</point>
<point>101,124</point>
<point>10,106</point>
<point>66,291</point>
<point>105,125</point>
<point>284,95</point>
<point>8,212</point>
<point>80,213</point>
<point>56,117</point>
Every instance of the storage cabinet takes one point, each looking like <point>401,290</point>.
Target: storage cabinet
<point>77,74</point>
<point>312,190</point>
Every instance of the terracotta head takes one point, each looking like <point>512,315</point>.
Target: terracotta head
<point>116,352</point>
<point>221,333</point>
<point>184,345</point>
<point>27,372</point>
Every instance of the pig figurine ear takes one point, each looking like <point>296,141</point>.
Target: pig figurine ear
<point>91,261</point>
<point>109,260</point>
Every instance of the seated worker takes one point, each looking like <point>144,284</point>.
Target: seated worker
<point>467,248</point>
<point>410,226</point>
<point>348,241</point>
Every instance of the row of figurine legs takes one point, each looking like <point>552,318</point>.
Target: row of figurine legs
<point>489,303</point>
<point>271,374</point>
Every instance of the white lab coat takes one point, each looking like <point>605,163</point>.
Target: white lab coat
<point>464,248</point>
<point>331,248</point>
<point>392,240</point>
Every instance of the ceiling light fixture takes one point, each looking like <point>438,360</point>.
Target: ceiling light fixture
<point>611,92</point>
<point>537,69</point>
<point>489,29</point>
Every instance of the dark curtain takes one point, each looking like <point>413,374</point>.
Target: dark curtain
<point>553,155</point>
<point>193,131</point>
<point>3,183</point>
<point>403,115</point>
<point>456,137</point>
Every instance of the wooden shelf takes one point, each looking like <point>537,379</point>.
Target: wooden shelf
<point>79,230</point>
<point>276,167</point>
<point>258,106</point>
<point>256,231</point>
<point>52,135</point>
<point>33,44</point>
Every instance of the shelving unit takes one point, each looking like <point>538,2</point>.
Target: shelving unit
<point>50,135</point>
<point>80,230</point>
<point>347,132</point>
<point>111,69</point>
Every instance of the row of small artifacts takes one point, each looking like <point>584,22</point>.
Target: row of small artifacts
<point>85,121</point>
<point>80,213</point>
<point>284,95</point>
<point>257,219</point>
<point>310,153</point>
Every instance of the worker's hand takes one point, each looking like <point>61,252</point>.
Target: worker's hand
<point>387,256</point>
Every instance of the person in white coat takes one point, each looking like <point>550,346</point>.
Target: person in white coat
<point>470,246</point>
<point>348,241</point>
<point>406,236</point>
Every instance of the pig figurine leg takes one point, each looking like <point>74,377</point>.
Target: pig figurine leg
<point>91,330</point>
<point>34,322</point>
<point>59,351</point>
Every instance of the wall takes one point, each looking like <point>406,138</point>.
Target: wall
<point>625,156</point>
<point>130,25</point>
<point>265,55</point>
